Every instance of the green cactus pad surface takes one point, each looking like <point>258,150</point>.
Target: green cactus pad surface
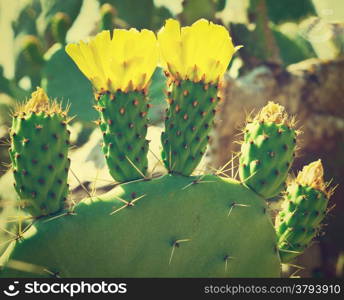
<point>172,226</point>
<point>266,156</point>
<point>39,149</point>
<point>188,122</point>
<point>123,122</point>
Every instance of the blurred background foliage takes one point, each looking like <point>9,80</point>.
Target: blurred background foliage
<point>293,52</point>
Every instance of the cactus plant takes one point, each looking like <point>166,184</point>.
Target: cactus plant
<point>177,225</point>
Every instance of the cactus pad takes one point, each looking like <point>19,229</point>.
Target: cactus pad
<point>172,226</point>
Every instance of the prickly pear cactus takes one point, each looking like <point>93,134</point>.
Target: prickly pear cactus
<point>176,225</point>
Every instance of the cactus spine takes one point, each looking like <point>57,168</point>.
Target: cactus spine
<point>39,154</point>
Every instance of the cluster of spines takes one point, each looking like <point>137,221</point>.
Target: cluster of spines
<point>267,151</point>
<point>123,122</point>
<point>189,119</point>
<point>39,154</point>
<point>304,208</point>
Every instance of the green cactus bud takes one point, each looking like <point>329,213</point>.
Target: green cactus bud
<point>195,9</point>
<point>60,24</point>
<point>32,50</point>
<point>267,151</point>
<point>38,152</point>
<point>188,122</point>
<point>220,4</point>
<point>29,58</point>
<point>303,210</point>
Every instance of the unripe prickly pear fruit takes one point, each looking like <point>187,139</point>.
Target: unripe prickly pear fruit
<point>189,119</point>
<point>123,122</point>
<point>29,58</point>
<point>32,50</point>
<point>267,151</point>
<point>38,152</point>
<point>303,210</point>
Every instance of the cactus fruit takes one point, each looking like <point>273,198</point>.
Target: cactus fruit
<point>39,149</point>
<point>137,13</point>
<point>304,208</point>
<point>188,121</point>
<point>267,151</point>
<point>173,225</point>
<point>29,58</point>
<point>60,24</point>
<point>194,9</point>
<point>124,125</point>
<point>55,18</point>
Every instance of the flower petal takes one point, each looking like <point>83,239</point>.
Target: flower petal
<point>202,50</point>
<point>127,60</point>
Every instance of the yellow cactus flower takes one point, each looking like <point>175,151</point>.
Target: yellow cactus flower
<point>125,62</point>
<point>198,52</point>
